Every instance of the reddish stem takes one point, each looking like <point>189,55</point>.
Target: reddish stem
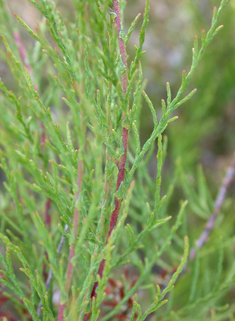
<point>100,273</point>
<point>121,43</point>
<point>48,224</point>
<point>122,163</point>
<point>47,213</point>
<point>120,179</point>
<point>61,312</point>
<point>72,248</point>
<point>22,52</point>
<point>118,202</point>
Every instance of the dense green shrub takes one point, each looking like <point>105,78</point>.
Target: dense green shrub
<point>82,217</point>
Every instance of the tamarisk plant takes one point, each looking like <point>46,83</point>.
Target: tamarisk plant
<point>76,171</point>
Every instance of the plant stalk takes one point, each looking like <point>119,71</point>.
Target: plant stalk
<point>72,248</point>
<point>125,132</point>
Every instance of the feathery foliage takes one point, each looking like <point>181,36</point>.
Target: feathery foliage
<point>81,216</point>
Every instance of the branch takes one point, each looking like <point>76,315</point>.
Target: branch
<point>217,207</point>
<point>47,219</point>
<point>121,43</point>
<point>22,52</point>
<point>72,248</point>
<point>50,274</point>
<point>211,221</point>
<point>125,132</point>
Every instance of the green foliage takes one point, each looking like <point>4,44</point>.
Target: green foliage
<point>79,208</point>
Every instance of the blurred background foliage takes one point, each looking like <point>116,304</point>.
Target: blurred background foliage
<point>204,132</point>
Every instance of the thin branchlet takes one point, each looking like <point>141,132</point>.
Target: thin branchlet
<point>210,225</point>
<point>50,273</point>
<point>70,267</point>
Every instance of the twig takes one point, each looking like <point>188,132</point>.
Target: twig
<point>125,132</point>
<point>121,43</point>
<point>48,225</point>
<point>50,274</point>
<point>72,248</point>
<point>22,52</point>
<point>211,221</point>
<point>217,207</point>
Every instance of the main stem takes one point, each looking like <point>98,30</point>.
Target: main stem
<point>72,248</point>
<point>125,132</point>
